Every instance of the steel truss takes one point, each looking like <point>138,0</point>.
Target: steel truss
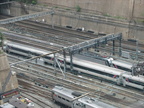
<point>24,17</point>
<point>93,42</point>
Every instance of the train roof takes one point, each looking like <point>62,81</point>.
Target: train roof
<point>65,92</point>
<point>91,102</point>
<point>7,105</point>
<point>110,70</point>
<point>139,78</point>
<point>84,63</point>
<point>97,66</point>
<point>77,61</point>
<point>122,63</point>
<point>27,48</point>
<point>94,103</point>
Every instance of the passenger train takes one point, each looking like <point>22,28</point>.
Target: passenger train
<point>102,72</point>
<point>65,96</point>
<point>123,65</point>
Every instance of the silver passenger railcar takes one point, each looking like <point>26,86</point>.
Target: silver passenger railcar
<point>62,95</point>
<point>120,64</point>
<point>81,66</point>
<point>65,96</point>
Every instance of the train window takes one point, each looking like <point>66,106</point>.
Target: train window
<point>59,97</point>
<point>47,57</point>
<point>35,54</point>
<point>78,104</point>
<point>18,49</point>
<point>92,70</point>
<point>63,98</point>
<point>92,99</point>
<point>46,86</point>
<point>67,100</point>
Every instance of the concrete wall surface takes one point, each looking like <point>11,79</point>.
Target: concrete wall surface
<point>122,8</point>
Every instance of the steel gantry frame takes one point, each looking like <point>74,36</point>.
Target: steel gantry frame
<point>72,50</point>
<point>93,43</point>
<point>7,2</point>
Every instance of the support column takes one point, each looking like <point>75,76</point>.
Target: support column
<point>71,61</point>
<point>131,13</point>
<point>113,47</point>
<point>96,45</point>
<point>52,20</point>
<point>120,52</point>
<point>64,56</point>
<point>131,9</point>
<point>136,49</point>
<point>55,64</point>
<point>105,40</point>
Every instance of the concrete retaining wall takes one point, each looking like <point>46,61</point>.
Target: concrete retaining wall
<point>122,8</point>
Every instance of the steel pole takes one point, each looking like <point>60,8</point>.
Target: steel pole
<point>137,50</point>
<point>71,61</point>
<point>113,47</point>
<point>55,64</point>
<point>64,54</point>
<point>120,52</point>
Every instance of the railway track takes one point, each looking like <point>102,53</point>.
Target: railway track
<point>30,86</point>
<point>87,85</point>
<point>62,30</point>
<point>39,102</point>
<point>31,41</point>
<point>50,36</point>
<point>53,34</point>
<point>73,37</point>
<point>57,31</point>
<point>54,46</point>
<point>35,93</point>
<point>50,70</point>
<point>51,46</point>
<point>102,94</point>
